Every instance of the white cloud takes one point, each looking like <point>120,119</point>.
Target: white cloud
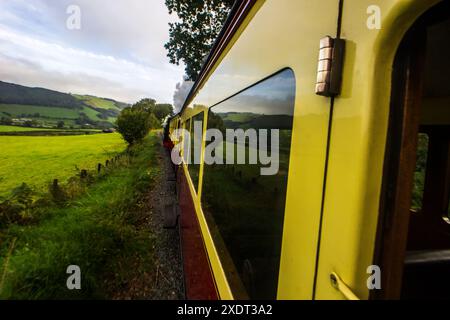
<point>118,52</point>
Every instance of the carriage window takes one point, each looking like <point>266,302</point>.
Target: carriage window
<point>196,140</point>
<point>243,207</point>
<point>186,151</point>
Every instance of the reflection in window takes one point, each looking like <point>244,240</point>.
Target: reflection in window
<point>420,172</point>
<point>186,149</point>
<point>196,140</point>
<point>244,209</point>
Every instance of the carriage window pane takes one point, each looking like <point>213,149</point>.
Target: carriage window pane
<point>420,172</point>
<point>186,151</point>
<point>196,139</point>
<point>244,209</point>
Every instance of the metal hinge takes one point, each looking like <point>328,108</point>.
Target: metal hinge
<point>329,71</point>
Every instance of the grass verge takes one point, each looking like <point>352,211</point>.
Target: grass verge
<point>97,231</point>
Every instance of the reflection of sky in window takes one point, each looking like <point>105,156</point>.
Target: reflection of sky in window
<point>274,96</point>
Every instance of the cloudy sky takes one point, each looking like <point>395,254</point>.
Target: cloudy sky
<point>117,53</point>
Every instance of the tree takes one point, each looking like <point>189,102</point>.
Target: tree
<point>6,120</point>
<point>60,124</point>
<point>192,38</point>
<point>162,111</point>
<point>134,123</point>
<point>147,105</point>
<point>154,122</point>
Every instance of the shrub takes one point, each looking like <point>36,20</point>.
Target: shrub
<point>18,208</point>
<point>134,124</point>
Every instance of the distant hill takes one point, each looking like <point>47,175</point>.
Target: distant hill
<point>16,94</point>
<point>101,103</point>
<point>48,107</point>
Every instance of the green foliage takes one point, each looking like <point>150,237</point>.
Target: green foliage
<point>146,105</point>
<point>6,120</point>
<point>134,124</point>
<point>17,208</point>
<point>60,124</point>
<point>154,122</point>
<point>162,111</point>
<point>191,38</point>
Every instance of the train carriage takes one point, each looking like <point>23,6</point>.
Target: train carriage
<point>358,94</point>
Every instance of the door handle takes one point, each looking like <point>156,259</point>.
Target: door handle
<point>340,286</point>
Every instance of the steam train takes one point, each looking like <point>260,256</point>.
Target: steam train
<point>359,205</point>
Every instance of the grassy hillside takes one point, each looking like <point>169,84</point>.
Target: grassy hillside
<point>46,108</point>
<point>38,160</point>
<point>34,111</point>
<point>16,94</point>
<point>101,103</point>
<point>49,116</point>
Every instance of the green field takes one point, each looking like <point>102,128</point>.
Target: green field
<point>38,160</point>
<point>20,129</point>
<point>16,110</point>
<point>97,102</point>
<point>4,128</point>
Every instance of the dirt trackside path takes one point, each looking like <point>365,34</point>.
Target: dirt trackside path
<point>165,282</point>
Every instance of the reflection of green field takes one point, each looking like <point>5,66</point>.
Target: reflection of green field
<point>248,209</point>
<point>38,160</point>
<point>238,117</point>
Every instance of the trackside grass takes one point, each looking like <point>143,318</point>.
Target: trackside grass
<point>98,231</point>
